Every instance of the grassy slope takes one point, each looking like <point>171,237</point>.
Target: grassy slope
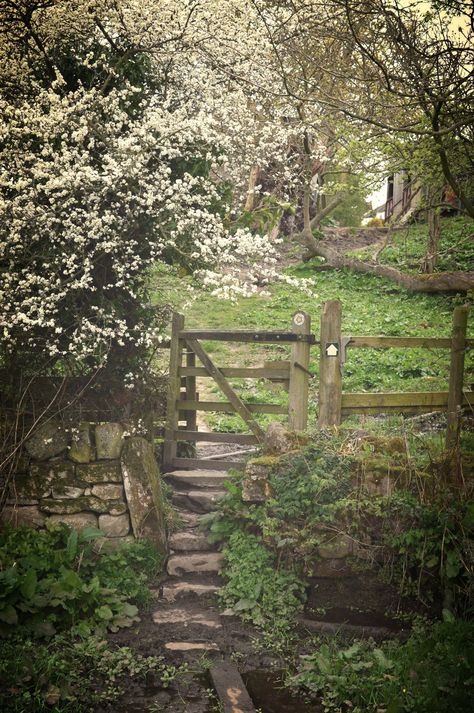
<point>371,306</point>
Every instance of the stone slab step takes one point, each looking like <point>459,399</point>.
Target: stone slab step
<point>187,518</point>
<point>199,501</point>
<point>186,617</point>
<point>186,646</point>
<point>202,562</point>
<point>173,591</point>
<point>197,478</point>
<point>190,541</point>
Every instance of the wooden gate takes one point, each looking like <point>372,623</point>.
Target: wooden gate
<point>183,400</point>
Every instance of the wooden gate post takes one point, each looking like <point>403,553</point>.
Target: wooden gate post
<point>191,416</point>
<point>330,377</point>
<point>174,389</point>
<point>456,374</point>
<point>299,374</point>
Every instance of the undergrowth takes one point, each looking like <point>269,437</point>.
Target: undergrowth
<point>431,673</point>
<point>58,598</point>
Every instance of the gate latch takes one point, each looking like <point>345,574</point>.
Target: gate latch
<point>344,342</point>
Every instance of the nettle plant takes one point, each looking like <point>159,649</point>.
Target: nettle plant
<point>127,138</point>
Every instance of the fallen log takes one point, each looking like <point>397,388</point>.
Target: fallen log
<point>435,282</point>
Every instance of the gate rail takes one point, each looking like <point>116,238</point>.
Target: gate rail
<point>183,399</point>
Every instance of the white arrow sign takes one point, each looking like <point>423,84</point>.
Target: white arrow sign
<point>332,349</point>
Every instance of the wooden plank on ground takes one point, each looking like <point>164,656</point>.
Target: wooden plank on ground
<point>226,388</point>
<point>244,335</point>
<point>403,342</point>
<point>243,373</point>
<point>245,439</point>
<point>231,689</point>
<point>203,464</point>
<point>226,407</point>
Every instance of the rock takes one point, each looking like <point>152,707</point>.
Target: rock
<point>28,515</point>
<point>185,646</point>
<point>277,440</point>
<point>180,589</point>
<point>59,475</point>
<point>195,563</point>
<point>108,440</point>
<point>83,503</point>
<point>141,479</point>
<point>77,521</point>
<point>189,541</point>
<point>99,472</point>
<point>175,615</point>
<point>81,450</point>
<point>114,525</point>
<point>337,547</point>
<point>47,441</point>
<point>197,478</point>
<point>255,486</point>
<point>66,492</point>
<point>200,501</point>
<point>108,492</point>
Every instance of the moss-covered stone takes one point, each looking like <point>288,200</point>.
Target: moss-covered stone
<point>86,503</point>
<point>28,515</point>
<point>81,450</point>
<point>43,476</point>
<point>268,461</point>
<point>108,440</point>
<point>114,525</point>
<point>47,441</point>
<point>108,491</point>
<point>142,483</point>
<point>99,472</point>
<point>255,486</point>
<point>78,521</point>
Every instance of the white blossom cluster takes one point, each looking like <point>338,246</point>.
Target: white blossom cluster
<point>100,178</point>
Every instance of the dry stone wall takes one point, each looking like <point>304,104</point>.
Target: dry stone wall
<point>94,475</point>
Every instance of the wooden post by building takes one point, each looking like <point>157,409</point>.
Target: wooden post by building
<point>456,374</point>
<point>174,389</point>
<point>330,376</point>
<point>299,374</point>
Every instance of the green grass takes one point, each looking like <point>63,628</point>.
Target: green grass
<point>407,246</point>
<point>371,306</point>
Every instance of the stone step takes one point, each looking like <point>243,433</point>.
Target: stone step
<point>187,519</point>
<point>186,617</point>
<point>185,646</point>
<point>199,501</point>
<point>197,478</point>
<point>173,591</point>
<point>189,541</point>
<point>202,562</point>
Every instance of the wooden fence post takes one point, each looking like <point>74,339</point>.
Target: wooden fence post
<point>299,374</point>
<point>174,389</point>
<point>191,416</point>
<point>330,377</point>
<point>456,374</point>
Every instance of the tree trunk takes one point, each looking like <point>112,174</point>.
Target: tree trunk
<point>432,248</point>
<point>253,180</point>
<point>437,282</point>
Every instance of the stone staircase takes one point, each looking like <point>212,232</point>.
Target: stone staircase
<point>187,594</point>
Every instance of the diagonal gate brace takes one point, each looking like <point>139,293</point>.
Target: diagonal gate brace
<point>225,387</point>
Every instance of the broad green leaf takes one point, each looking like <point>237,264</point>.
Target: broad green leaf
<point>104,612</point>
<point>71,546</point>
<point>90,533</point>
<point>8,614</point>
<point>28,585</point>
